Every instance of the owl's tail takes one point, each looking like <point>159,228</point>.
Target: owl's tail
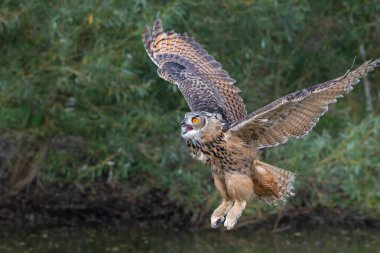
<point>272,184</point>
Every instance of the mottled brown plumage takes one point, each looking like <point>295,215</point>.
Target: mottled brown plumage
<point>296,114</point>
<point>185,63</point>
<point>220,133</point>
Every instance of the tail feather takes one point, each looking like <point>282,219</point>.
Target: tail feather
<point>272,184</point>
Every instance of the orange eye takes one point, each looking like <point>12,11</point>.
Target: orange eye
<point>195,120</point>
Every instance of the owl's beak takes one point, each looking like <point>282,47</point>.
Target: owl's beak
<point>186,128</point>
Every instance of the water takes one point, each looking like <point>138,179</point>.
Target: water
<point>93,240</point>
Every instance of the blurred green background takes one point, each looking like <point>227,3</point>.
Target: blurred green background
<point>81,103</point>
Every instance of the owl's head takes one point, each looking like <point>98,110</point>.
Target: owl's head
<point>201,126</point>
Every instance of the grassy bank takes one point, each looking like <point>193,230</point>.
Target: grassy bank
<point>82,105</point>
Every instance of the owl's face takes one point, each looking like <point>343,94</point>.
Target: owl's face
<point>199,125</point>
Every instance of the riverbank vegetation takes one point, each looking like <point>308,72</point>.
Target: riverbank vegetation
<point>86,123</point>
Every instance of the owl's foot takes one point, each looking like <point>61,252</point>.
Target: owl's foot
<point>217,220</point>
<point>234,214</point>
<point>230,222</point>
<point>220,213</point>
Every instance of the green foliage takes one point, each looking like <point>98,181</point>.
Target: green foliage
<point>342,171</point>
<point>75,79</point>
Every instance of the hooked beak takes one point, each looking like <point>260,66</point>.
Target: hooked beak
<point>186,128</point>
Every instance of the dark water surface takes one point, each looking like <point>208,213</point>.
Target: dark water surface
<point>93,240</point>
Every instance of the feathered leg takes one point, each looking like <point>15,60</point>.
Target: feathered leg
<point>220,213</point>
<point>240,189</point>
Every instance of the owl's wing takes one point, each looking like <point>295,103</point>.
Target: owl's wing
<point>202,81</point>
<point>296,114</point>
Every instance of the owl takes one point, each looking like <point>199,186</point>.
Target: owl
<point>218,131</point>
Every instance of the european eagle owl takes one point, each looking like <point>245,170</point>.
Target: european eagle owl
<point>218,130</point>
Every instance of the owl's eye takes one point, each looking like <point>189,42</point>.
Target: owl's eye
<point>195,120</point>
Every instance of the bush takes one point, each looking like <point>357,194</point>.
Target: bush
<point>81,100</point>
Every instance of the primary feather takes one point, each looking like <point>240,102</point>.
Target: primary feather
<point>296,114</point>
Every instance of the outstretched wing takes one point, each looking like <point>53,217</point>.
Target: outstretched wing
<point>201,79</point>
<point>296,114</point>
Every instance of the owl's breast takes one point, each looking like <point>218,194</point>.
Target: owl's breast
<point>223,156</point>
<point>197,151</point>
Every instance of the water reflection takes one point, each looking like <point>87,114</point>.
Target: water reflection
<point>86,240</point>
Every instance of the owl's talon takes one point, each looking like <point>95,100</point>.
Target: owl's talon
<point>216,221</point>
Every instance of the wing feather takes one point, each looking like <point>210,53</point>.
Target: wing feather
<point>296,114</point>
<point>171,47</point>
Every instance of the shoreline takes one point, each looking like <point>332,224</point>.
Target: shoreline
<point>71,207</point>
